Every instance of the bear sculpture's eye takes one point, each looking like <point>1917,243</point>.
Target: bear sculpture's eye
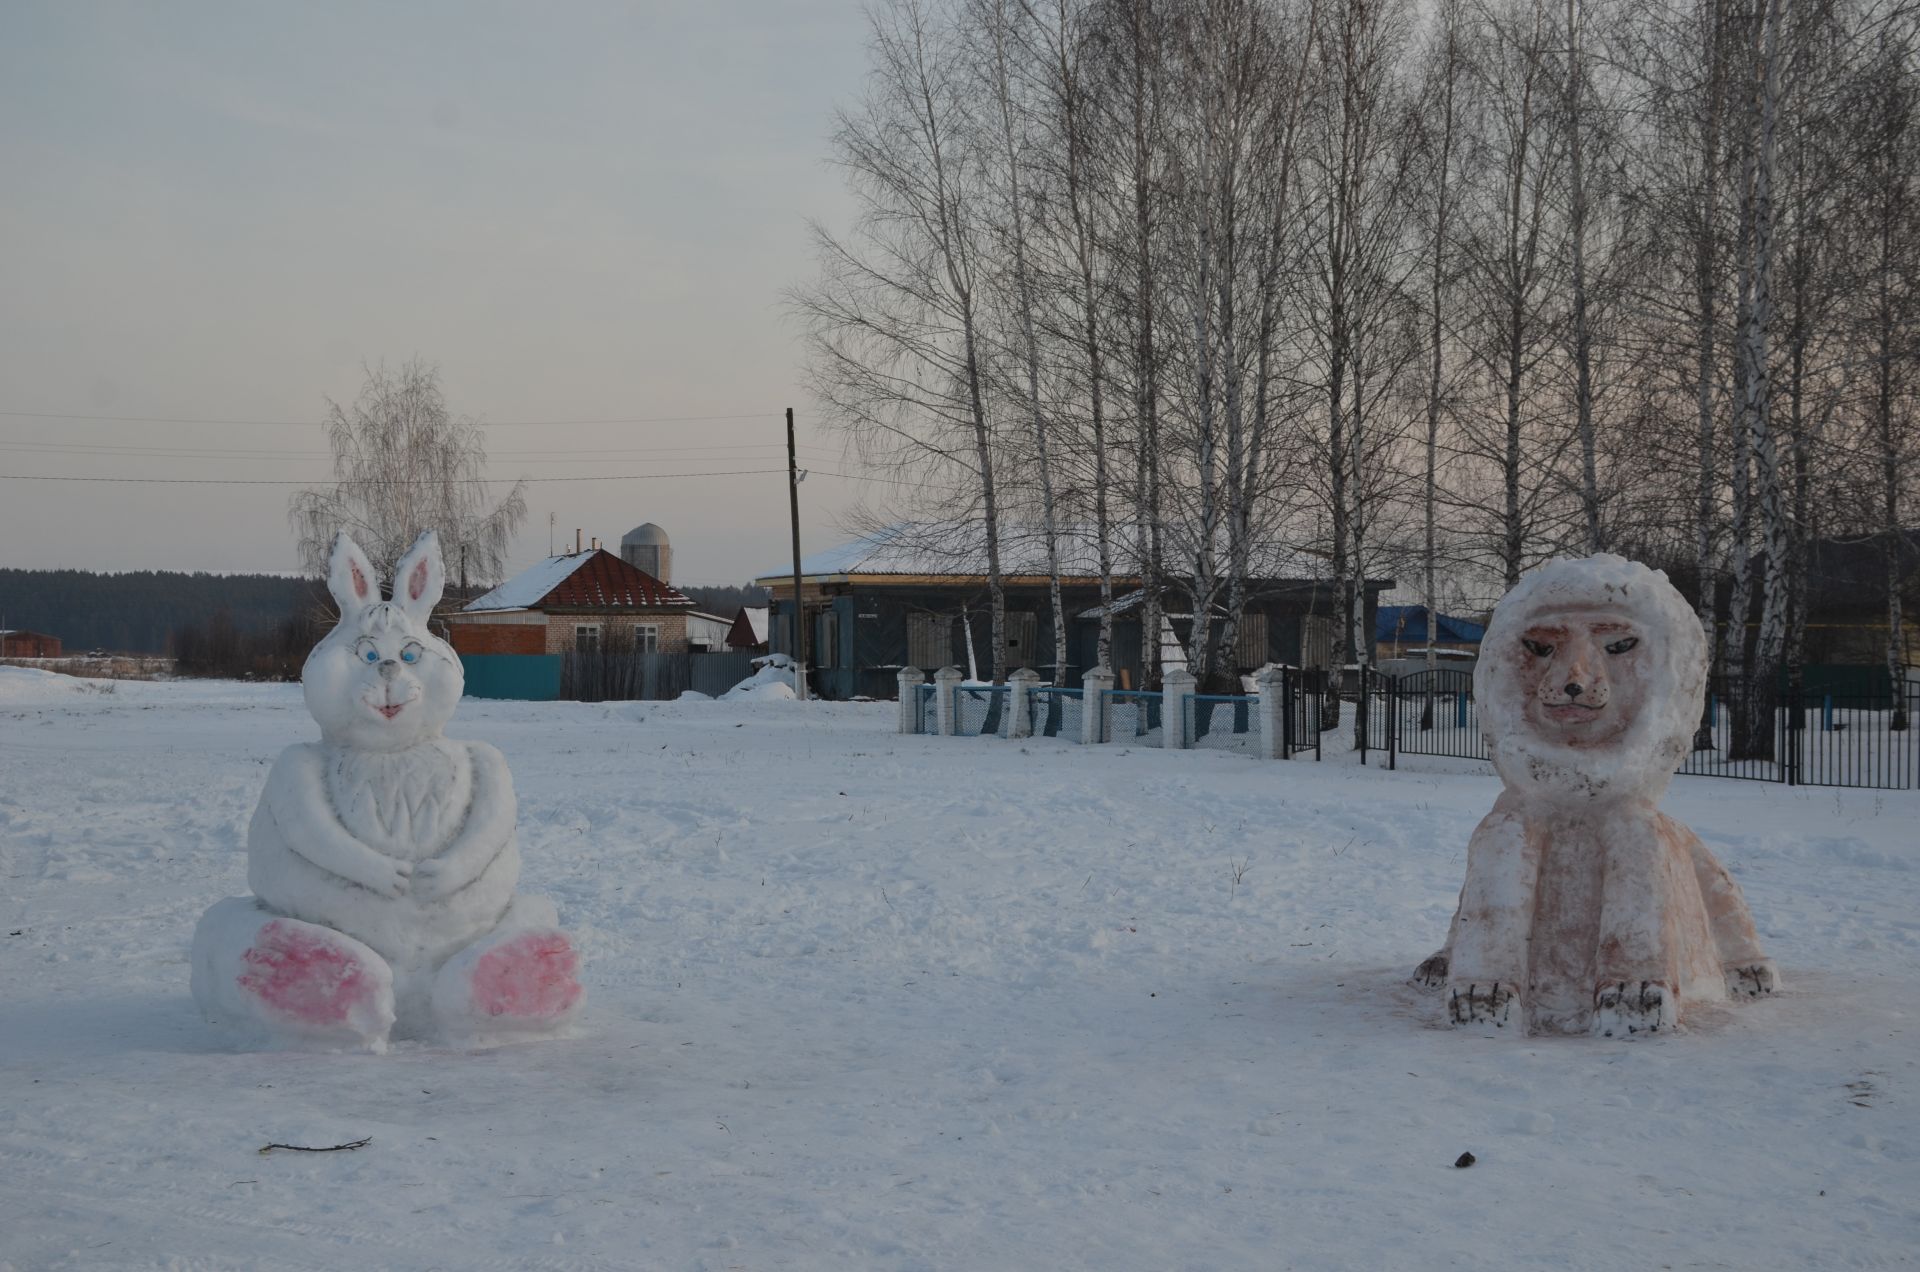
<point>1623,645</point>
<point>1538,649</point>
<point>411,653</point>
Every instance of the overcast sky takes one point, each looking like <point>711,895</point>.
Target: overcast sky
<point>579,211</point>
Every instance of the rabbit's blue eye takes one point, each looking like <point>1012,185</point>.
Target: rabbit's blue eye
<point>372,655</point>
<point>410,654</point>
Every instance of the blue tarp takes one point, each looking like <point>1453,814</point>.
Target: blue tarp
<point>1408,625</point>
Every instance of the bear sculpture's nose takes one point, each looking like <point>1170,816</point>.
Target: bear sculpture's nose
<point>1574,691</point>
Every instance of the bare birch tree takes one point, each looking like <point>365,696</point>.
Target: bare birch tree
<point>403,464</point>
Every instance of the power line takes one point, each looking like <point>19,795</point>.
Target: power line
<point>194,419</point>
<point>380,481</point>
<point>201,452</point>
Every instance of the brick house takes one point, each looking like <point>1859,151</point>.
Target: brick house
<point>579,602</point>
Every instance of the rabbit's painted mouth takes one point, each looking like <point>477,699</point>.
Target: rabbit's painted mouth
<point>392,709</point>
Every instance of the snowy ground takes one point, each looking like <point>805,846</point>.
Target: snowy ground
<point>869,1001</point>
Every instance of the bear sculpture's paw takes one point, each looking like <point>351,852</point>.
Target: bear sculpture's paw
<point>1750,980</point>
<point>1432,973</point>
<point>1625,1008</point>
<point>1492,1003</point>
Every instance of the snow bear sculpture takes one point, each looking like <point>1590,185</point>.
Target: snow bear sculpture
<point>1585,908</point>
<point>382,858</point>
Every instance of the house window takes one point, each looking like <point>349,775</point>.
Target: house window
<point>929,641</point>
<point>586,638</point>
<point>646,638</point>
<point>1250,641</point>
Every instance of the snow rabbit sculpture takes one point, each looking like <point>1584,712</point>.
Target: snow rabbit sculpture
<point>1585,907</point>
<point>382,858</point>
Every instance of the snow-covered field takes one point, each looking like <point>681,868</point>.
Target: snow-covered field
<point>867,1001</point>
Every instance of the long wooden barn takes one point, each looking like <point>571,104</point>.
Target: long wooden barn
<point>916,594</point>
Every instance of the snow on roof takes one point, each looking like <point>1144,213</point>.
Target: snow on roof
<point>958,548</point>
<point>594,579</point>
<point>757,620</point>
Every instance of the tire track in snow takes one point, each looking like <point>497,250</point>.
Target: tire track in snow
<point>172,1218</point>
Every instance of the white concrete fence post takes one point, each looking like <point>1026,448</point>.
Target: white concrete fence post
<point>1093,704</point>
<point>1176,699</point>
<point>1020,687</point>
<point>1270,684</point>
<point>911,679</point>
<point>945,682</point>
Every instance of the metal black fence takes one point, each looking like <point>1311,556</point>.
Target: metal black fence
<point>1752,730</point>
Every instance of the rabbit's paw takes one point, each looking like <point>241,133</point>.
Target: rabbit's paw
<point>520,982</point>
<point>436,880</point>
<point>309,980</point>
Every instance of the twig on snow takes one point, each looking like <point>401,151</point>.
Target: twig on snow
<point>331,1148</point>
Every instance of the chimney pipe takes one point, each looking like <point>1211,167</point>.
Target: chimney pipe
<point>576,538</point>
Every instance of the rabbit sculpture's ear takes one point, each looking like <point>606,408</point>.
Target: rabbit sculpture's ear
<point>350,576</point>
<point>420,578</point>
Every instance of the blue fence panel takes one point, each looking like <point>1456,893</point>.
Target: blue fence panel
<point>1056,713</point>
<point>527,677</point>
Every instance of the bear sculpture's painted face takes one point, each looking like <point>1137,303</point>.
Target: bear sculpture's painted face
<point>1584,667</point>
<point>1590,681</point>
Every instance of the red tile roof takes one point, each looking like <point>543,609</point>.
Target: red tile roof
<point>596,579</point>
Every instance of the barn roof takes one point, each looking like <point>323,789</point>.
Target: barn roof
<point>594,579</point>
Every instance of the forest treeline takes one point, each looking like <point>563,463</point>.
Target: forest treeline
<point>258,624</point>
<point>137,612</point>
<point>1423,290</point>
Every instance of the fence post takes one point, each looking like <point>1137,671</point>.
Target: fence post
<point>1176,699</point>
<point>910,678</point>
<point>1393,721</point>
<point>1093,704</point>
<point>1270,684</point>
<point>1020,687</point>
<point>946,682</point>
<point>1362,718</point>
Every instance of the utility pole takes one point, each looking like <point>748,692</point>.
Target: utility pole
<point>799,626</point>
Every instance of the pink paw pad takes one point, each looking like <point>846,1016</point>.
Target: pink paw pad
<point>303,976</point>
<point>530,976</point>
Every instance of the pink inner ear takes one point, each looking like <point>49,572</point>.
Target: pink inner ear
<point>417,581</point>
<point>359,580</point>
